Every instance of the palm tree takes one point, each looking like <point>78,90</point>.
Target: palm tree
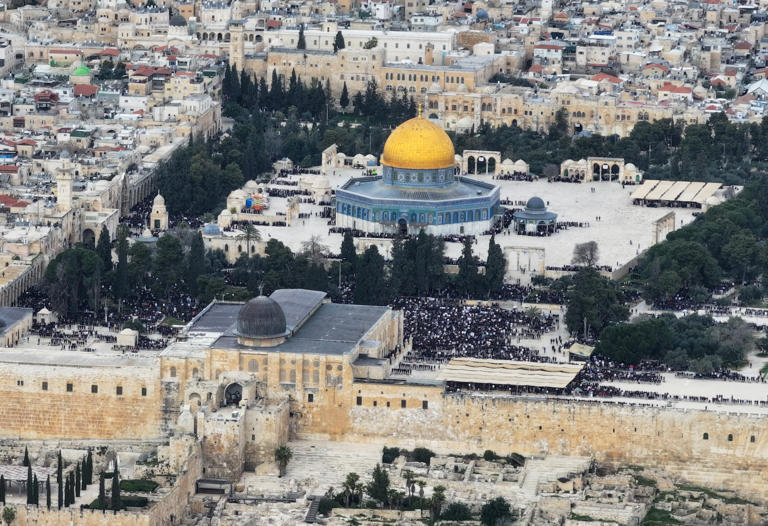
<point>421,484</point>
<point>350,486</point>
<point>283,455</point>
<point>251,234</point>
<point>9,515</point>
<point>436,503</point>
<point>409,481</point>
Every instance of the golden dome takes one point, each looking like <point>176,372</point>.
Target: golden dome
<point>418,144</point>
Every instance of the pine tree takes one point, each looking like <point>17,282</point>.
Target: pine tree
<point>302,43</point>
<point>29,484</point>
<point>78,482</point>
<point>338,42</point>
<point>370,284</point>
<point>26,457</point>
<point>116,504</point>
<point>494,267</point>
<point>102,492</point>
<point>60,482</point>
<point>104,249</point>
<point>344,98</point>
<point>48,492</point>
<point>2,489</point>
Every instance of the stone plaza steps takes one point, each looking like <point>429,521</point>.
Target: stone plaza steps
<point>549,469</point>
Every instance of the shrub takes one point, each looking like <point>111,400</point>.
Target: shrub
<point>421,454</point>
<point>371,504</point>
<point>490,456</point>
<point>127,501</point>
<point>326,505</point>
<point>138,485</point>
<point>390,454</point>
<point>456,511</point>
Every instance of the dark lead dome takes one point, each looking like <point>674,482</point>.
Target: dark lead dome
<point>261,317</point>
<point>535,204</point>
<point>177,20</point>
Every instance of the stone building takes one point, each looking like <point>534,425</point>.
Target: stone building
<point>158,217</point>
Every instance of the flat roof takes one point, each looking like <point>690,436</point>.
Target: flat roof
<point>10,316</point>
<point>509,372</point>
<point>333,329</point>
<point>218,317</point>
<point>297,304</point>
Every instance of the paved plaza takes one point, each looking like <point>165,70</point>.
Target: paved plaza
<point>620,221</point>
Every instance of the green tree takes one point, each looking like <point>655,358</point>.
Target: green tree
<point>495,267</point>
<point>371,43</point>
<point>60,481</point>
<point>348,254</point>
<point>593,303</point>
<point>456,511</point>
<point>370,283</point>
<point>89,468</point>
<point>344,98</point>
<point>338,42</point>
<point>78,479</point>
<point>378,487</point>
<point>302,43</point>
<point>121,288</point>
<point>102,493</point>
<point>168,263</point>
<point>117,503</point>
<point>104,249</point>
<point>73,281</point>
<point>30,482</point>
<point>467,278</point>
<point>495,512</point>
<point>351,484</point>
<point>35,491</point>
<point>195,264</point>
<point>283,455</point>
<point>48,493</point>
<point>26,462</point>
<point>586,254</point>
<point>9,515</point>
<point>2,489</point>
<point>436,502</point>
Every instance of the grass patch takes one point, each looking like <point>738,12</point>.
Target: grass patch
<point>713,494</point>
<point>644,481</point>
<point>126,501</point>
<point>657,517</point>
<point>169,321</point>
<point>585,518</point>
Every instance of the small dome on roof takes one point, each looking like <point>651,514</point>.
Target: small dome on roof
<point>261,317</point>
<point>630,167</point>
<point>64,155</point>
<point>211,229</point>
<point>482,14</point>
<point>158,200</point>
<point>81,71</point>
<point>177,20</point>
<point>535,204</point>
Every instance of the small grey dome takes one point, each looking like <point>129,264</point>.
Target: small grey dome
<point>211,229</point>
<point>261,317</point>
<point>177,20</point>
<point>535,204</point>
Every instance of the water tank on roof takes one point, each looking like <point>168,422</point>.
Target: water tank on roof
<point>248,203</point>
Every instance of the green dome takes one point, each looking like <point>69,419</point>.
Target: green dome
<point>82,71</point>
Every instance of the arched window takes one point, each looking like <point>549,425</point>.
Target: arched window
<point>706,436</point>
<point>730,438</point>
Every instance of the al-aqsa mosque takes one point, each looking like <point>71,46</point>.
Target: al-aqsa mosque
<point>419,189</point>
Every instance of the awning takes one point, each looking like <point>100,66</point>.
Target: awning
<point>509,372</point>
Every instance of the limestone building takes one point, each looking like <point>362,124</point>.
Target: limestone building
<point>158,217</point>
<point>419,189</point>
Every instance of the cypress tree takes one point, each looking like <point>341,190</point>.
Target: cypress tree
<point>338,42</point>
<point>89,463</point>
<point>466,280</point>
<point>36,492</point>
<point>344,98</point>
<point>302,43</point>
<point>104,248</point>
<point>78,481</point>
<point>71,487</point>
<point>66,492</point>
<point>370,285</point>
<point>29,484</point>
<point>26,457</point>
<point>60,483</point>
<point>116,504</point>
<point>348,254</point>
<point>2,489</point>
<point>494,267</point>
<point>48,492</point>
<point>102,492</point>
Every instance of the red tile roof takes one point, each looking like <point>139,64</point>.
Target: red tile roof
<point>8,200</point>
<point>605,76</point>
<point>671,88</point>
<point>86,90</point>
<point>110,52</point>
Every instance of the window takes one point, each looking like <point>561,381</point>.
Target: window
<point>425,404</point>
<point>20,383</point>
<point>173,372</point>
<point>70,388</point>
<point>387,404</point>
<point>310,398</point>
<point>730,438</point>
<point>752,439</point>
<point>143,391</point>
<point>375,403</point>
<point>119,390</point>
<point>359,400</point>
<point>94,389</point>
<point>402,404</point>
<point>45,388</point>
<point>706,436</point>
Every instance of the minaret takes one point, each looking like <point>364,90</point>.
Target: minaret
<point>64,181</point>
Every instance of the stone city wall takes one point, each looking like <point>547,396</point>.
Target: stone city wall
<point>708,447</point>
<point>42,402</point>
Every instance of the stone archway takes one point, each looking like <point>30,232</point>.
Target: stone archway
<point>89,237</point>
<point>402,227</point>
<point>233,394</point>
